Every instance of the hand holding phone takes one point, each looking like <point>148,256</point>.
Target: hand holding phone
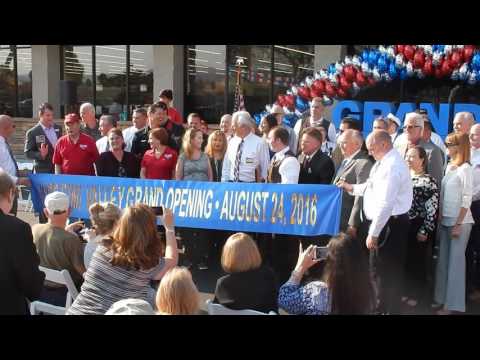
<point>320,252</point>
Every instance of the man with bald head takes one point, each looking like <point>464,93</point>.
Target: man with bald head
<point>473,248</point>
<point>90,124</point>
<point>226,126</point>
<point>462,122</point>
<point>413,128</point>
<point>354,169</point>
<point>387,198</point>
<point>7,161</point>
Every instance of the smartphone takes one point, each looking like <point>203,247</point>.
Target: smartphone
<point>158,210</point>
<point>320,252</point>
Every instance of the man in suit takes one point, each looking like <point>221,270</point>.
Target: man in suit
<point>315,166</point>
<point>413,128</point>
<point>345,124</point>
<point>20,278</point>
<point>354,169</point>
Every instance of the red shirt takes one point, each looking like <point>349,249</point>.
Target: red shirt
<point>174,116</point>
<point>76,159</point>
<point>161,168</point>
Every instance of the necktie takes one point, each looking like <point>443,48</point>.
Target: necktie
<point>341,167</point>
<point>236,169</point>
<point>13,158</point>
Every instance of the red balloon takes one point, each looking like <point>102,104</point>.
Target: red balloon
<point>344,83</point>
<point>456,59</point>
<point>468,52</point>
<point>342,93</point>
<point>361,79</point>
<point>409,52</point>
<point>438,73</point>
<point>281,100</point>
<point>350,73</point>
<point>314,92</point>
<point>330,90</point>
<point>418,59</point>
<point>318,85</point>
<point>447,67</point>
<point>428,67</point>
<point>400,49</point>
<point>304,92</point>
<point>289,101</point>
<point>371,81</point>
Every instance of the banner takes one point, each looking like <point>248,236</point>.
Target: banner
<point>249,207</point>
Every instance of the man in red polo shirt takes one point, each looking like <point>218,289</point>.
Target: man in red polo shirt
<point>167,97</point>
<point>75,153</point>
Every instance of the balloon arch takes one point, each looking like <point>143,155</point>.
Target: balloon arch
<point>382,64</point>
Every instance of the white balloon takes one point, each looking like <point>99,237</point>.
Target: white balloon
<point>428,49</point>
<point>366,68</point>
<point>309,81</point>
<point>376,74</point>
<point>391,52</point>
<point>294,90</point>
<point>455,75</point>
<point>409,69</point>
<point>348,60</point>
<point>448,49</point>
<point>339,67</point>
<point>317,75</point>
<point>356,61</point>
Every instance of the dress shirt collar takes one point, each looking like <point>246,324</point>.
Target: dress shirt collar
<point>281,154</point>
<point>44,127</point>
<point>309,157</point>
<point>2,140</point>
<point>350,158</point>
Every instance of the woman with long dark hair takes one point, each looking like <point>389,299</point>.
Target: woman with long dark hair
<point>343,287</point>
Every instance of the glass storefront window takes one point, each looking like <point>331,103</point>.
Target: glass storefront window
<point>292,64</point>
<point>111,75</point>
<point>256,74</point>
<point>7,80</point>
<point>77,66</point>
<point>24,74</point>
<point>140,78</point>
<point>205,81</point>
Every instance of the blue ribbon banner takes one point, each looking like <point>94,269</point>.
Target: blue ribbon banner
<point>265,208</point>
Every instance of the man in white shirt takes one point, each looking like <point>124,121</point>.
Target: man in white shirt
<point>139,121</point>
<point>226,126</point>
<point>473,273</point>
<point>7,161</point>
<point>387,198</point>
<point>314,120</point>
<point>106,123</point>
<point>277,110</point>
<point>462,122</point>
<point>247,154</point>
<point>393,126</point>
<point>284,167</point>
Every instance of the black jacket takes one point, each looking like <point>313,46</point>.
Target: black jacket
<point>34,137</point>
<point>20,277</point>
<point>140,140</point>
<point>254,290</point>
<point>319,170</point>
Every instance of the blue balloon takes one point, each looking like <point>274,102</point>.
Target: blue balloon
<point>257,118</point>
<point>372,58</point>
<point>332,69</point>
<point>440,48</point>
<point>290,119</point>
<point>382,64</point>
<point>392,70</point>
<point>365,55</point>
<point>476,61</point>
<point>301,104</point>
<point>403,74</point>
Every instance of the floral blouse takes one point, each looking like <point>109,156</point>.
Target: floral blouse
<point>425,202</point>
<point>310,299</point>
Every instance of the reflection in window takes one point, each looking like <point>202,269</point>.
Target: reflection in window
<point>205,72</point>
<point>24,71</point>
<point>292,64</point>
<point>7,80</point>
<point>255,75</point>
<point>141,76</point>
<point>111,75</point>
<point>77,67</point>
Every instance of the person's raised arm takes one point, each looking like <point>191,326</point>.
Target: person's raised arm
<point>171,249</point>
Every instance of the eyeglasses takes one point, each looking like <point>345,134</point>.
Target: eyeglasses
<point>447,144</point>
<point>410,127</point>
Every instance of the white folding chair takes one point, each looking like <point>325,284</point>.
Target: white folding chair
<point>61,277</point>
<point>218,309</point>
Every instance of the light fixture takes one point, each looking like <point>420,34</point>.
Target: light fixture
<point>205,51</point>
<point>294,50</point>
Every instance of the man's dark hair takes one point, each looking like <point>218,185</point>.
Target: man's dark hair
<point>111,119</point>
<point>315,133</point>
<point>352,123</point>
<point>141,110</point>
<point>158,105</point>
<point>166,93</point>
<point>281,133</point>
<point>45,106</point>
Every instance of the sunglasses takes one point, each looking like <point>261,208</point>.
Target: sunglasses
<point>447,144</point>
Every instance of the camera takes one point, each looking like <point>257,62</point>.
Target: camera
<point>320,252</point>
<point>158,210</point>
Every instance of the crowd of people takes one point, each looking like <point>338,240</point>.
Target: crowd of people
<point>409,197</point>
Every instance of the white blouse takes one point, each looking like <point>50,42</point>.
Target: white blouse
<point>456,193</point>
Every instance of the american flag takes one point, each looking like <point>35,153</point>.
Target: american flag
<point>239,103</point>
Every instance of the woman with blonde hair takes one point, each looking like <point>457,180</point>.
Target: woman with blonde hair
<point>177,294</point>
<point>248,284</point>
<point>124,264</point>
<point>193,165</point>
<point>215,150</point>
<point>455,225</point>
<point>104,217</point>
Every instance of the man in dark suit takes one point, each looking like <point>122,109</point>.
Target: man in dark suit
<point>354,169</point>
<point>315,166</point>
<point>40,142</point>
<point>20,278</point>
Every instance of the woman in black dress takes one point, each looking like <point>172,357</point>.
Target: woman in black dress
<point>117,162</point>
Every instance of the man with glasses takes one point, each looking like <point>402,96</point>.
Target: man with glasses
<point>413,129</point>
<point>58,246</point>
<point>345,124</point>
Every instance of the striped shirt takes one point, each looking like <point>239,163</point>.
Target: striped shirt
<point>106,284</point>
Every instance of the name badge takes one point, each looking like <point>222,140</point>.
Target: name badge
<point>57,130</point>
<point>249,160</point>
<point>83,146</point>
<point>40,139</point>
